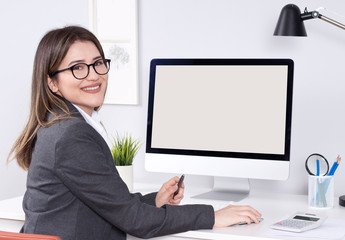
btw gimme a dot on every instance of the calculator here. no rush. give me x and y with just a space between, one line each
299 222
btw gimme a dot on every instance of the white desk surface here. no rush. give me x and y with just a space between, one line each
272 206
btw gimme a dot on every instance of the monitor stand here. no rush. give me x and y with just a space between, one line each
227 189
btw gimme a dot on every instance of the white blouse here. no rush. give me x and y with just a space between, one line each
94 121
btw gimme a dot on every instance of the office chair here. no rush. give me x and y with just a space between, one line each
25 236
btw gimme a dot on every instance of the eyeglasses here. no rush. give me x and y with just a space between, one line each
81 70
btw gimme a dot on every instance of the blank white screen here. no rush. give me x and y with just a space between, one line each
220 108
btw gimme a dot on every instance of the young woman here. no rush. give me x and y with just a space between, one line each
73 188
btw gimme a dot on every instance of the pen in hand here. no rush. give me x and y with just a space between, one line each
179 184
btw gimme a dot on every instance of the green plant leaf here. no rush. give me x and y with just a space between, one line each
124 149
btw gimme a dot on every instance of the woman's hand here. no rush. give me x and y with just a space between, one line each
235 214
166 194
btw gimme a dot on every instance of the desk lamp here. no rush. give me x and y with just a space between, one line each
290 22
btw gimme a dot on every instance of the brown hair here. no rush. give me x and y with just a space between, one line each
49 54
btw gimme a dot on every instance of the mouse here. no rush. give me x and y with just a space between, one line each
243 223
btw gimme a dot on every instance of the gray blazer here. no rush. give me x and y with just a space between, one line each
75 192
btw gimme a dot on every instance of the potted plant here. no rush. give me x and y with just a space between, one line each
123 150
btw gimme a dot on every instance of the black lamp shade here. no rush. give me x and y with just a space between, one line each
290 22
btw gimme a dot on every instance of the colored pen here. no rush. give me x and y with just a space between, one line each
334 166
321 191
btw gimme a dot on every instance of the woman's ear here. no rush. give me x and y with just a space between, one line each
51 85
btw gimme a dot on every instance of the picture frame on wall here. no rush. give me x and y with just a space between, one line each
114 22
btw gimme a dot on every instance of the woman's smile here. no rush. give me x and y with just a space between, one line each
92 89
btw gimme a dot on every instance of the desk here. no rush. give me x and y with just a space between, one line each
272 206
11 214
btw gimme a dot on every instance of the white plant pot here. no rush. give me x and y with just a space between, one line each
126 173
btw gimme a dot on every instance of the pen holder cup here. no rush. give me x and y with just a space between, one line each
321 192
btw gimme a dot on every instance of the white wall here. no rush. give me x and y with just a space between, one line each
192 28
22 25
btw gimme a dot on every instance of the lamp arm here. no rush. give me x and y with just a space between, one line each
315 14
338 24
309 15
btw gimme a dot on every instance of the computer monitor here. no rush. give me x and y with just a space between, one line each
226 118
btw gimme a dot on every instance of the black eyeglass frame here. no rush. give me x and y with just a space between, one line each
107 61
